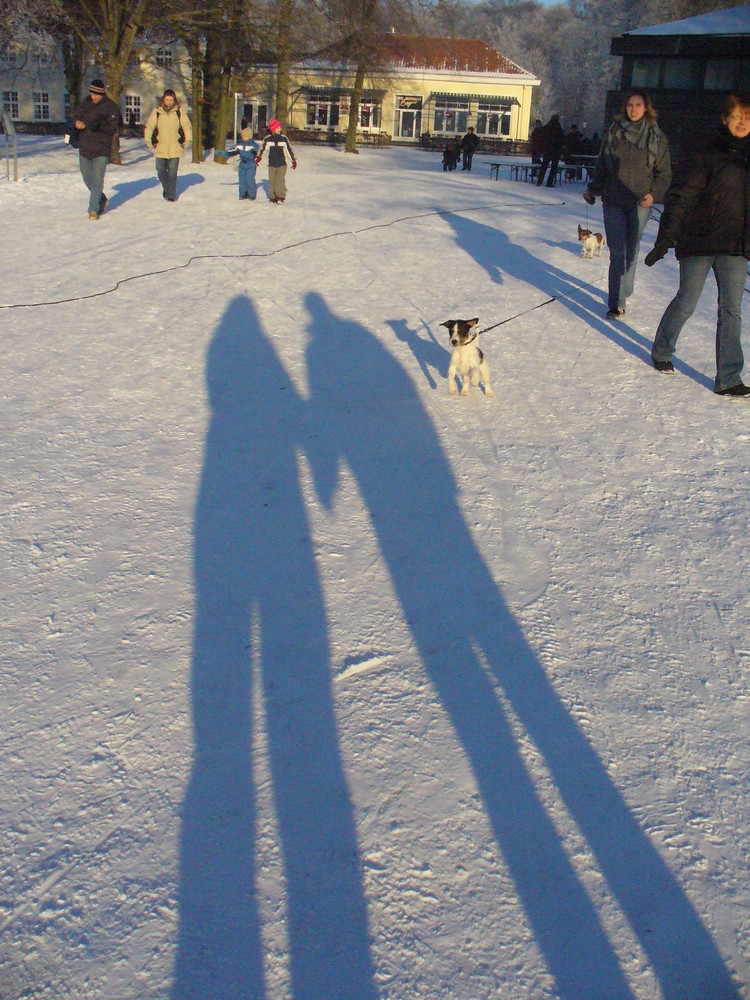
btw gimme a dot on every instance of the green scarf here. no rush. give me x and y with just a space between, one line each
641 134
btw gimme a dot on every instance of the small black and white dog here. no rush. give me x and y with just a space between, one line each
467 360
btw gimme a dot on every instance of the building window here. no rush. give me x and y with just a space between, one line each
646 72
10 103
451 115
132 109
164 58
681 74
41 106
720 74
369 115
7 58
493 118
66 105
323 110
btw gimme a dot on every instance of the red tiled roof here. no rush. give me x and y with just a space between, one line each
463 55
467 55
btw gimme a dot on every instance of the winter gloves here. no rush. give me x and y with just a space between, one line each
588 197
661 249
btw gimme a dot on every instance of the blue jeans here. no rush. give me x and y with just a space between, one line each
624 228
167 171
246 178
93 172
730 274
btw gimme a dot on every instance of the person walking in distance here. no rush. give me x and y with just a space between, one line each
551 140
469 145
632 172
167 133
96 120
707 221
279 148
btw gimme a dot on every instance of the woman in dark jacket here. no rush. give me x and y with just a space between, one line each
632 172
707 220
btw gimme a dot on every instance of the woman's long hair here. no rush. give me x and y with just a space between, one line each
645 96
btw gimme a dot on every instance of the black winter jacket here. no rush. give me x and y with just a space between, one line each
102 121
277 145
708 211
552 138
470 142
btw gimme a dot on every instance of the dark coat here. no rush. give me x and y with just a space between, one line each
102 122
552 138
278 146
623 175
708 211
535 140
470 142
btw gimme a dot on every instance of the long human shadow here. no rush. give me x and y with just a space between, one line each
126 190
427 352
259 614
499 256
375 422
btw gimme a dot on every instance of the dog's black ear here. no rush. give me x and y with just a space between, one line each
472 322
448 324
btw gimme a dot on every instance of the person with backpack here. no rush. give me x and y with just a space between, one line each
279 148
96 121
167 133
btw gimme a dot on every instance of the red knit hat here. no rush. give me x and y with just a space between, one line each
274 125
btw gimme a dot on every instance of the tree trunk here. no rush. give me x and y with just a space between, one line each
351 131
72 54
196 92
283 61
224 116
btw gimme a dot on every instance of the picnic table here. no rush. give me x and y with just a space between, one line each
579 169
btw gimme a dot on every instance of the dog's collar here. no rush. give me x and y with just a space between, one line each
474 337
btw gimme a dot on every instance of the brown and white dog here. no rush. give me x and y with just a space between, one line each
591 243
467 361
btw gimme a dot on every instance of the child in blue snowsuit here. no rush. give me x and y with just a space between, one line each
247 150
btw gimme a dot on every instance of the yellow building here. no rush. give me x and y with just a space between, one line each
435 85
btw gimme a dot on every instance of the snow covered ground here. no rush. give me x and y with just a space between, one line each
319 683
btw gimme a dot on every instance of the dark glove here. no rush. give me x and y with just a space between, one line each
294 165
661 249
257 161
588 197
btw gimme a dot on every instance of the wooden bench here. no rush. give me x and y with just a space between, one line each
495 171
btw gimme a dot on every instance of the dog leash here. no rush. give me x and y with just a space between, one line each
511 318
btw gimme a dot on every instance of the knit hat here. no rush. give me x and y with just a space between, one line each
274 125
97 87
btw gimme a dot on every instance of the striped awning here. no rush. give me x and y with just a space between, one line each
478 97
368 95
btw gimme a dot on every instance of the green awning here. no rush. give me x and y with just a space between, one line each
478 97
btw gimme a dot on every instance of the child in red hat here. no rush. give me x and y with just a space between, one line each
279 149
